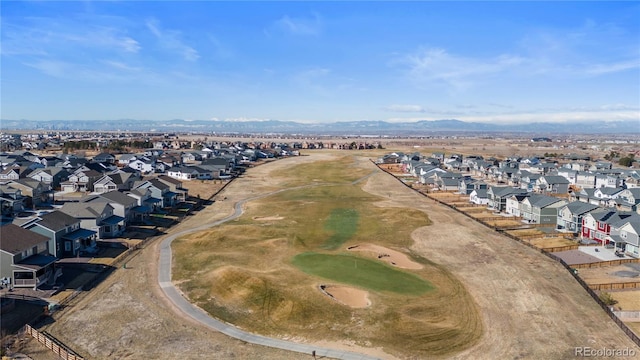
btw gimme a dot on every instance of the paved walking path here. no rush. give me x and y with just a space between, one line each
164 279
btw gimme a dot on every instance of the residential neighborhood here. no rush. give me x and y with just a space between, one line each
69 206
73 208
589 202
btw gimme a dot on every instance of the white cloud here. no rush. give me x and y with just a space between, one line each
600 69
121 66
44 36
171 40
405 108
51 67
221 50
300 25
313 79
436 65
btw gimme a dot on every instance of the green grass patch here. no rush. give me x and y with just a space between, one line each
365 273
344 224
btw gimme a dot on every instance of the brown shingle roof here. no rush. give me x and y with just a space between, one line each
57 220
14 239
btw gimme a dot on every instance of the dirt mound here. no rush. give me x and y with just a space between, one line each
346 295
387 255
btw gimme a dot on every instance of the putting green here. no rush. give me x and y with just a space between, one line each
364 273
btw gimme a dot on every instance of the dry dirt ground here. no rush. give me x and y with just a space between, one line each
627 299
531 307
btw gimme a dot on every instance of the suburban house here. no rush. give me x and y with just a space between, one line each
10 173
568 174
104 158
219 166
144 165
97 217
585 180
479 197
632 180
175 186
498 196
426 173
35 192
24 257
121 203
629 200
597 224
145 204
625 235
512 206
159 191
11 201
191 157
467 185
126 159
118 180
50 175
189 173
80 181
607 181
570 216
541 209
67 237
550 184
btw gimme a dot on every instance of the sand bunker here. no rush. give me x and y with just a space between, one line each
267 218
346 295
392 257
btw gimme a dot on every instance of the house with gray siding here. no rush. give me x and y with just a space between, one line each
24 257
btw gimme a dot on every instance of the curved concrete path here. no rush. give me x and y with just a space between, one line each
164 279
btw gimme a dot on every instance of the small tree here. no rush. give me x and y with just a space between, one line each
607 299
627 160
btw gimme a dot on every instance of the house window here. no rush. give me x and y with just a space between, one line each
623 234
67 246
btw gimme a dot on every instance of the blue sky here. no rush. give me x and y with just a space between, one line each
321 61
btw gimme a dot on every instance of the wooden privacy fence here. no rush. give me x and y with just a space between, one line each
560 248
52 343
526 236
604 263
616 286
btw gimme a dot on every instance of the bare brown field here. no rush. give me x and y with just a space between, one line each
606 275
474 209
635 327
525 232
550 242
627 300
506 223
444 196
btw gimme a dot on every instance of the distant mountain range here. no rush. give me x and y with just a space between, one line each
423 127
